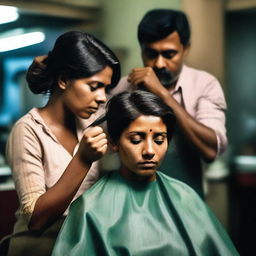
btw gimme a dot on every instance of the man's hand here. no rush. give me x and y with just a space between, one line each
147 78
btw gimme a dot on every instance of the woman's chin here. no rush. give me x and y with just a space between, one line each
148 175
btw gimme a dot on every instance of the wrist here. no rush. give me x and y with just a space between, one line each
83 161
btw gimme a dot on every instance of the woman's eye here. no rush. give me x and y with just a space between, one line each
93 87
160 140
135 141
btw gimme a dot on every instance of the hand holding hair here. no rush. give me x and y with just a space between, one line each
93 145
146 77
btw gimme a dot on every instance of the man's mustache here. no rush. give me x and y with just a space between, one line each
164 75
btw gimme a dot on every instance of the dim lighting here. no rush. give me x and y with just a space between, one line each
19 41
8 14
245 163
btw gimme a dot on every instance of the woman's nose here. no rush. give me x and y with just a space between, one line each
148 151
101 96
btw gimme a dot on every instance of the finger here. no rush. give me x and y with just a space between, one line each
134 70
100 147
142 72
137 79
93 131
93 142
134 74
103 149
100 143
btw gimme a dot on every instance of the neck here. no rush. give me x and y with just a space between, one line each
171 86
55 113
131 176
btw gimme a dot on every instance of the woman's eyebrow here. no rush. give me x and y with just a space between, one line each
160 133
136 133
143 133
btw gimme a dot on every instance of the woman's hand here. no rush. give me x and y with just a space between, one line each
93 145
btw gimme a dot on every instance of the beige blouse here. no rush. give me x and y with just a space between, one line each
38 160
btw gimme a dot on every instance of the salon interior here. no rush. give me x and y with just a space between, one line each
223 43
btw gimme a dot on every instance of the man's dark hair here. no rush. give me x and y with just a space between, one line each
159 23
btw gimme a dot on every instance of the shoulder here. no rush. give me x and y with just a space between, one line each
26 123
174 182
197 83
26 132
199 79
23 139
180 192
197 73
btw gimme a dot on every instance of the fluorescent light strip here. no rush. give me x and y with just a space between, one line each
20 41
8 14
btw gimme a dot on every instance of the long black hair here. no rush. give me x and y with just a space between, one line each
75 55
125 107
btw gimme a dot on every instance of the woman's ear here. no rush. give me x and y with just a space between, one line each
62 82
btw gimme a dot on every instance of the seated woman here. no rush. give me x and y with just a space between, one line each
138 210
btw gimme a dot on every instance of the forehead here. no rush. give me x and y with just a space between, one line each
147 123
172 41
103 76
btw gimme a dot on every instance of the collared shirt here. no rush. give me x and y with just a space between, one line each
202 97
38 160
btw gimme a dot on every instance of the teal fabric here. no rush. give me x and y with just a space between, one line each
119 217
182 162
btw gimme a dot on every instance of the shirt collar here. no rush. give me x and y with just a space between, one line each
81 124
38 119
182 80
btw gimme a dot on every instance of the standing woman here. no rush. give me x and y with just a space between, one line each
50 153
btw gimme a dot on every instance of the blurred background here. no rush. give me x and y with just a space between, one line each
223 43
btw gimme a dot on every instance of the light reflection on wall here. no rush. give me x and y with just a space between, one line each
17 99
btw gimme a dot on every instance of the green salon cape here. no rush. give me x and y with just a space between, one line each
120 217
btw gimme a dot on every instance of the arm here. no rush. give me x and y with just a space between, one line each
40 205
203 137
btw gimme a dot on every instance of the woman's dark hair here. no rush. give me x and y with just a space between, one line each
75 55
125 107
159 23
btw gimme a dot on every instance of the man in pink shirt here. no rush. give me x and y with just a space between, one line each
195 96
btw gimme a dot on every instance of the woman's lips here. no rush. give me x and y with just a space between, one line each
92 110
147 164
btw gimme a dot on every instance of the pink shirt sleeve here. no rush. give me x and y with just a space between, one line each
210 111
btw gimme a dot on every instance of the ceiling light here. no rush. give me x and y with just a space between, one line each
8 14
20 41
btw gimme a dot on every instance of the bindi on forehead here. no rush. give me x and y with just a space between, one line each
150 130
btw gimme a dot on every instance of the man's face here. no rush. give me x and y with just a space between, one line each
166 57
